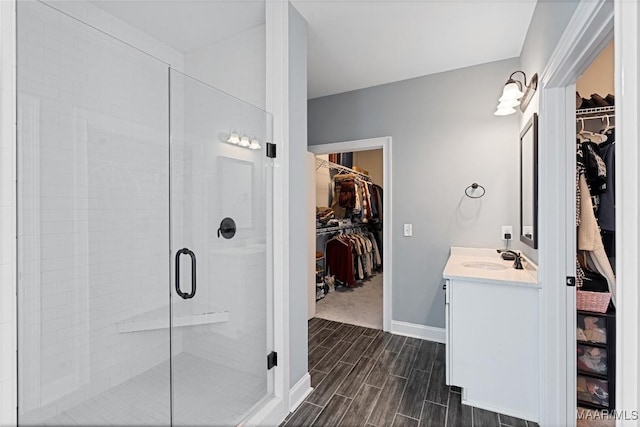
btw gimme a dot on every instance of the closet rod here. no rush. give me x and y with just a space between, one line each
339 228
320 163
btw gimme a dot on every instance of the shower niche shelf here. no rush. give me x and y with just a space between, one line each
182 316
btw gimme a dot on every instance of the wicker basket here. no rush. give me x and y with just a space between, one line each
598 302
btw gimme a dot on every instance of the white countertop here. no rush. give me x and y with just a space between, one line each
459 256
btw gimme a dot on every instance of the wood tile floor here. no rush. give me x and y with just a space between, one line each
366 377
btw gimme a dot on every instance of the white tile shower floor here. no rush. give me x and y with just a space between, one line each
205 394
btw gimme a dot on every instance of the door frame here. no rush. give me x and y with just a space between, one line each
588 32
627 15
383 143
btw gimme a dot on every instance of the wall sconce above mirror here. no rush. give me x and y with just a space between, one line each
529 183
513 95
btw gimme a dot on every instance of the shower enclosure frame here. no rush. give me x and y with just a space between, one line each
287 395
274 409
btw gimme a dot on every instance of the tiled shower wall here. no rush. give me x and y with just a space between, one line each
94 210
7 217
97 302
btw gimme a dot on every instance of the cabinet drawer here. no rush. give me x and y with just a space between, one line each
592 359
592 329
593 391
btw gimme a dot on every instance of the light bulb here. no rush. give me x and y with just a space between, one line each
509 104
244 141
255 144
234 138
504 111
511 91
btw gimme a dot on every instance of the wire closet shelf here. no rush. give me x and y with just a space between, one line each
321 163
596 113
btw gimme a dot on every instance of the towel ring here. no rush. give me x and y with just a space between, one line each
474 186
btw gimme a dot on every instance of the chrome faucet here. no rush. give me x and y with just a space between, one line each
517 263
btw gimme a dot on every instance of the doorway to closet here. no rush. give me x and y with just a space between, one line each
348 185
348 282
596 249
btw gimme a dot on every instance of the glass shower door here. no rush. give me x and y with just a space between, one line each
221 315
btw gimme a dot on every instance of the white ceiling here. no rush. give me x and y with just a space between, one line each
187 25
355 44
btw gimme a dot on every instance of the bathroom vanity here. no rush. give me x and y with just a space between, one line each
493 332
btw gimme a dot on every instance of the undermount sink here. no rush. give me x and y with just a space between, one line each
485 265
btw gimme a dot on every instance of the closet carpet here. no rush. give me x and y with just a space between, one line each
363 376
360 306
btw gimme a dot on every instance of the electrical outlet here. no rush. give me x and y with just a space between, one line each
507 232
408 230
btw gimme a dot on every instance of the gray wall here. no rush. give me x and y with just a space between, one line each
445 137
547 25
298 221
549 20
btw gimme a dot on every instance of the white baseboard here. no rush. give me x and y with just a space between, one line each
271 413
414 330
299 392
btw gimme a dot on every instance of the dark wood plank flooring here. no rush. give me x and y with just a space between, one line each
365 377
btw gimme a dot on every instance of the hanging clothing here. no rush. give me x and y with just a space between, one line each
589 239
337 208
339 260
352 257
354 197
596 170
607 210
590 164
347 197
588 231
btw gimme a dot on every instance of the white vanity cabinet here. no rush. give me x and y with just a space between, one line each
493 342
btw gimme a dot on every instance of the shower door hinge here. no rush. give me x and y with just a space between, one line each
272 360
271 150
571 281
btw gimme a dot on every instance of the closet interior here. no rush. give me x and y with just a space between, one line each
349 247
595 222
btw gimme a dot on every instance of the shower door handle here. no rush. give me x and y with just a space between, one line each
185 295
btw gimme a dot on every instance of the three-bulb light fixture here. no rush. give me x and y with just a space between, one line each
243 141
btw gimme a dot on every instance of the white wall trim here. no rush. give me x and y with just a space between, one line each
627 178
387 221
414 330
299 392
277 103
8 225
588 31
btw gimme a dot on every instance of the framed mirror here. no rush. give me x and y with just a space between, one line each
529 183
